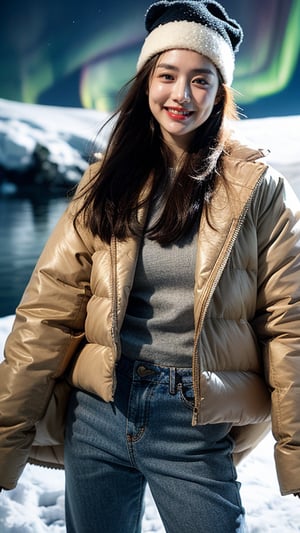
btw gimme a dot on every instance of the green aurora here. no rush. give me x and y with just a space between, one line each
82 55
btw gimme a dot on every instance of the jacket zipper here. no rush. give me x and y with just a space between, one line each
235 229
114 306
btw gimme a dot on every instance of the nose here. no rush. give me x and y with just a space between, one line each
182 92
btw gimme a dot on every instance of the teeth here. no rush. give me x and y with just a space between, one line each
178 112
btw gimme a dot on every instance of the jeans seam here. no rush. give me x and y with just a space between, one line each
189 404
140 506
134 438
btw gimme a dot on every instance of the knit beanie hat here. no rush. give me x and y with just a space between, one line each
199 25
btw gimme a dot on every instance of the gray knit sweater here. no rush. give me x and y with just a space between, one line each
159 322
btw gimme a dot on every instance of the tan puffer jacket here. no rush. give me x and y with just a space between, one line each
247 316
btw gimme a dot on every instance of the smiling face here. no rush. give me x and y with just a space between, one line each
182 93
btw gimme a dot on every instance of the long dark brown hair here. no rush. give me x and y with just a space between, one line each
137 157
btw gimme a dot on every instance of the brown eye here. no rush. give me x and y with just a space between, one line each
167 77
200 81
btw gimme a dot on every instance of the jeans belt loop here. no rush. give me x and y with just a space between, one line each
172 382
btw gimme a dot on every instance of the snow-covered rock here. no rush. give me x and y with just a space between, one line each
46 145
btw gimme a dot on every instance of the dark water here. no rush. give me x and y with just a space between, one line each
25 224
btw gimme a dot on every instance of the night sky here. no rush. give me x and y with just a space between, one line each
81 53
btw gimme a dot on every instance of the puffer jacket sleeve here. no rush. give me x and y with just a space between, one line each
48 327
277 321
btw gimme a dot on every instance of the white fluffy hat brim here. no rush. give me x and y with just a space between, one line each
191 36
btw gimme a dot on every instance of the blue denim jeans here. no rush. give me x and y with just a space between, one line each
113 449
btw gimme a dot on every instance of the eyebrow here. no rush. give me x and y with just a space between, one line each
195 71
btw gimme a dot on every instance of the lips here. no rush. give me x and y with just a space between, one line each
178 113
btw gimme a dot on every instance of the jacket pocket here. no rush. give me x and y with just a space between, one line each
236 397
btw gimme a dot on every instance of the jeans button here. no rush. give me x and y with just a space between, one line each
143 371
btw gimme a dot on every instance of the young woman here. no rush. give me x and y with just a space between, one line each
160 329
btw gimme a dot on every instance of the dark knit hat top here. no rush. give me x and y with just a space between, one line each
206 12
200 25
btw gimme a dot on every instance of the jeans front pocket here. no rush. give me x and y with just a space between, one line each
186 391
